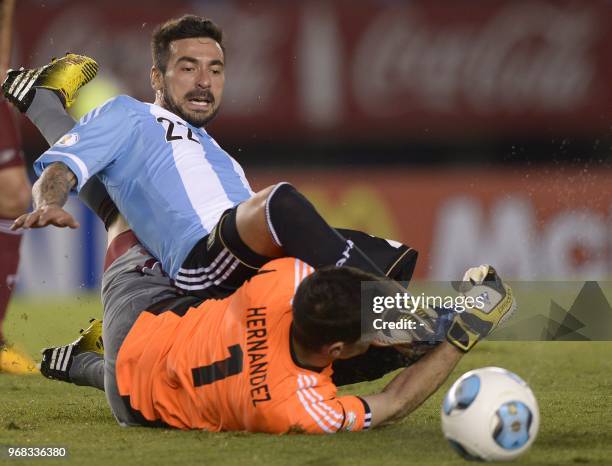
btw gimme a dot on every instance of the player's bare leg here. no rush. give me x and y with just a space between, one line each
253 227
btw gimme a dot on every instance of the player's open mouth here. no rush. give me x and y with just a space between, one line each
201 103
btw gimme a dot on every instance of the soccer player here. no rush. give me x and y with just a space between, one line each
14 201
269 367
14 198
188 202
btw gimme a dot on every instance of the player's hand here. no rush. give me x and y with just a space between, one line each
44 216
494 303
402 327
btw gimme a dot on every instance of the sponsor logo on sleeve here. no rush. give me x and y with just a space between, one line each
351 417
68 140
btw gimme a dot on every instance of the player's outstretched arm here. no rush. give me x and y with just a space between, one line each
416 383
50 193
411 387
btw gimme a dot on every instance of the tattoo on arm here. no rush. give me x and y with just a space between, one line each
53 186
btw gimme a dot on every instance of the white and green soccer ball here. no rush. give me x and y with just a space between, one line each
490 414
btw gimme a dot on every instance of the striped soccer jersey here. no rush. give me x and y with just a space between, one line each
244 378
171 180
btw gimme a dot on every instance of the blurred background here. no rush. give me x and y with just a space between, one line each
474 131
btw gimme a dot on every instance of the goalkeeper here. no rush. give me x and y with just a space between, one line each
270 367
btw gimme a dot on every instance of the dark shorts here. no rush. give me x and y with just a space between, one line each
213 270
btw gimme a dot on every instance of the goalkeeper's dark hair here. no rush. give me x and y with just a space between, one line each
185 27
327 307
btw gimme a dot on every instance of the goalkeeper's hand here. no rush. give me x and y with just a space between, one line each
409 327
494 304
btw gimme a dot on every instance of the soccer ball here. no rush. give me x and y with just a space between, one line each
490 414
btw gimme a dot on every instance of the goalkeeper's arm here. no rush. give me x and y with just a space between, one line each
411 387
415 384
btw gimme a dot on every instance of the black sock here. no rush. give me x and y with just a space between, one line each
297 227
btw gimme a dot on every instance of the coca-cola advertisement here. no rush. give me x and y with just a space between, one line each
366 70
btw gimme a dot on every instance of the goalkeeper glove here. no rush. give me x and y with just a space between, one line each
494 304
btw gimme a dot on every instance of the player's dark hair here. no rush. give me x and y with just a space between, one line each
185 27
327 307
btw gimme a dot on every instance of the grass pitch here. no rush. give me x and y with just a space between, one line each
572 381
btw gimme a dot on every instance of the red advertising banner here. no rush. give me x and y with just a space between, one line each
369 70
544 224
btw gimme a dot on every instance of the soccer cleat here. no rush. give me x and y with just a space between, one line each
13 361
65 76
57 361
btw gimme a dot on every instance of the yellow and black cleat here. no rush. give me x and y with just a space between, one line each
57 360
65 76
90 340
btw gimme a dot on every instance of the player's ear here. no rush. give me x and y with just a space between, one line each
156 79
334 350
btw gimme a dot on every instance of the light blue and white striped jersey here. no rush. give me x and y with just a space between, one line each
171 180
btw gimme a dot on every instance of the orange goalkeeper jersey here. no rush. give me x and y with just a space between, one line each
227 365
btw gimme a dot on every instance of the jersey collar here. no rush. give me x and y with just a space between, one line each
295 359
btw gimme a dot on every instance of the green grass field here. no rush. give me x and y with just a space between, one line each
572 381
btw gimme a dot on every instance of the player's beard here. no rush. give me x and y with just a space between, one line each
194 118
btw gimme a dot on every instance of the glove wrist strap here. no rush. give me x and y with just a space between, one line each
461 336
